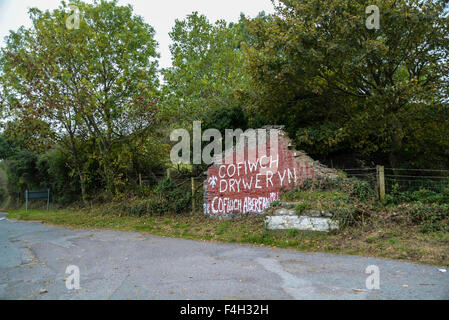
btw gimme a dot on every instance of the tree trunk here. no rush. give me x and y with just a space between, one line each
397 137
108 171
78 167
82 177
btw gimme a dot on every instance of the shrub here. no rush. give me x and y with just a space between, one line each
170 198
395 196
431 218
275 204
362 190
157 207
139 209
332 184
3 195
348 216
427 196
57 176
3 181
300 208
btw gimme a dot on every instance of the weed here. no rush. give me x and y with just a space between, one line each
303 206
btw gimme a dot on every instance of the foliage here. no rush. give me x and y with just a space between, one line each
58 177
3 185
429 217
94 85
424 196
167 198
275 204
226 118
84 112
22 173
426 208
7 148
350 200
175 199
362 190
338 86
33 171
354 204
303 206
349 216
206 73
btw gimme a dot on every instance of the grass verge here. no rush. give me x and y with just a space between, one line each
377 240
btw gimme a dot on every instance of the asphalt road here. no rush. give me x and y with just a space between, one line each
126 265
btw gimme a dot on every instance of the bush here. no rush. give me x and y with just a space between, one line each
3 195
352 203
169 198
139 209
348 216
362 190
275 204
303 206
427 196
57 176
49 170
422 196
3 181
431 218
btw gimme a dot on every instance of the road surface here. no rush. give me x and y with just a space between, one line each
125 265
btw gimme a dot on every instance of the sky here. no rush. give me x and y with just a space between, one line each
161 14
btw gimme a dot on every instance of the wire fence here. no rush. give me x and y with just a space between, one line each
416 179
183 180
404 179
179 178
366 174
393 179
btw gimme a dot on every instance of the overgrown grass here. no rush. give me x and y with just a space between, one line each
411 227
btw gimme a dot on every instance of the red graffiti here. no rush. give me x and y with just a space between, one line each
250 185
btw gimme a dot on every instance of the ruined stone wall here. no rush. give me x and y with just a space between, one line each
249 187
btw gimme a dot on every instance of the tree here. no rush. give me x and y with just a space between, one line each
338 85
7 147
94 84
206 72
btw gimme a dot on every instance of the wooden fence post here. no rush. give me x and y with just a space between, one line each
140 180
193 195
169 173
381 182
26 200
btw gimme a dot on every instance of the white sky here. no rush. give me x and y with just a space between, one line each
160 14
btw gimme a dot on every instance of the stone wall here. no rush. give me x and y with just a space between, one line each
249 187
